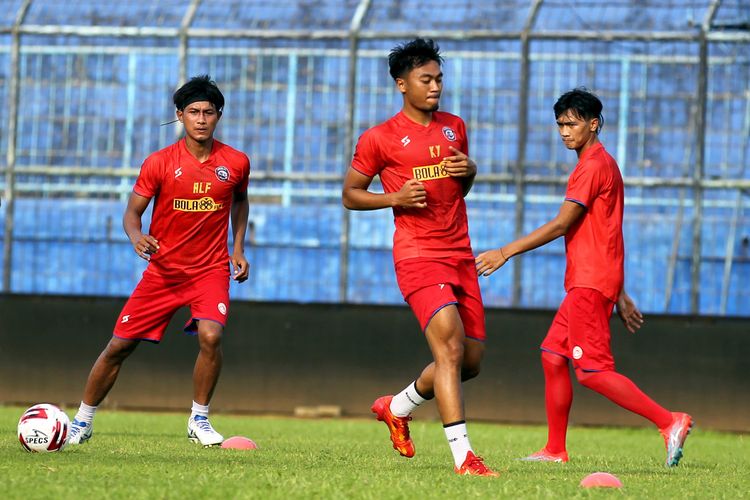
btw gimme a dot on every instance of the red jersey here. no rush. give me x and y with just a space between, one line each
594 246
401 149
191 206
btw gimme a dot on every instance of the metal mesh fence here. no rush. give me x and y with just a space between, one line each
92 83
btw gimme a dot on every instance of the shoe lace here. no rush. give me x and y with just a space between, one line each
203 424
476 464
77 427
402 424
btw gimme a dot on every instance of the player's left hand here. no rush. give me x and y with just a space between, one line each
490 261
240 267
628 312
459 165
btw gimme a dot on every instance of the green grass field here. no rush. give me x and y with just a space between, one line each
147 455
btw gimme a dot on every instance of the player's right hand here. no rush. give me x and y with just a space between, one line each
628 312
145 246
411 195
490 261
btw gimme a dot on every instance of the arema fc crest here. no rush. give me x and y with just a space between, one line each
222 173
449 134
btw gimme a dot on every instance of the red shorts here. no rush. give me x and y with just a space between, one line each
155 300
580 330
428 285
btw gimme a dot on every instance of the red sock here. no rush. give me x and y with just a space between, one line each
622 391
558 396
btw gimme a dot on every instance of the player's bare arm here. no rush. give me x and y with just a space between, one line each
492 260
628 312
355 194
143 244
460 165
239 214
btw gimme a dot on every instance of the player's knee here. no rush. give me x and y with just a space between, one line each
210 339
119 349
550 359
473 355
451 352
585 378
469 372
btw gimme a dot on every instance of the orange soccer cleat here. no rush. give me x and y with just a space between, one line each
675 436
398 426
474 466
544 455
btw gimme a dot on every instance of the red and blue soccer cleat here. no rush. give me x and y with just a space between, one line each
398 426
675 436
474 466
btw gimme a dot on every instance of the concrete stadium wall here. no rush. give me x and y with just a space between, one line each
280 356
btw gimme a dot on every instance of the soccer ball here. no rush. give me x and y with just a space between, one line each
43 428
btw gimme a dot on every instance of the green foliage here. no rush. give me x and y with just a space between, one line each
147 455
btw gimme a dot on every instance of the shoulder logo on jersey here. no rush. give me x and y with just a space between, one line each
405 140
178 172
449 134
430 172
222 173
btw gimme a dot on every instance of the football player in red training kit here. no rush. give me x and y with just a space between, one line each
421 156
197 184
591 221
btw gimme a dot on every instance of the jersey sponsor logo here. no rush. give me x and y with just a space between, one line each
206 204
449 134
125 318
430 172
577 352
178 172
222 308
405 140
222 173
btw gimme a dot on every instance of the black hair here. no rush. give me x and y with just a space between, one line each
583 103
199 88
407 56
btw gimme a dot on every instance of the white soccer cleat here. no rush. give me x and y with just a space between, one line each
80 432
200 431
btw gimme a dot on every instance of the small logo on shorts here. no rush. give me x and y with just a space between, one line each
222 308
441 285
125 318
577 352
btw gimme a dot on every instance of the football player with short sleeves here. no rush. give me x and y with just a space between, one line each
422 157
590 218
197 185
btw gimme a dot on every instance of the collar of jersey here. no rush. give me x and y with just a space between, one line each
412 125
